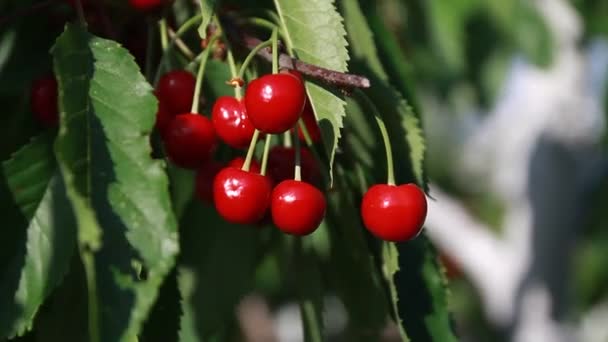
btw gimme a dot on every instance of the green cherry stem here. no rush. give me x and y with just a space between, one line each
80 12
249 157
298 162
287 139
200 74
250 56
384 132
238 91
305 133
189 24
265 155
164 38
275 51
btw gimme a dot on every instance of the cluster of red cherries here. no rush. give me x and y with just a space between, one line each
272 104
241 193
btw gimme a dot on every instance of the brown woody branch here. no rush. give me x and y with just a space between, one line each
336 78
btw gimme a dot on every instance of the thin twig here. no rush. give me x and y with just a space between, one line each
335 78
180 44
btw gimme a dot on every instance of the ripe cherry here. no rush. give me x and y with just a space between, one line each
240 196
239 161
297 207
281 163
43 101
204 180
231 122
176 90
394 213
190 140
274 102
310 122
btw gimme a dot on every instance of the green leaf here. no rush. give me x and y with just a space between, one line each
216 268
410 306
162 324
41 262
422 290
399 71
116 188
390 261
63 317
351 263
314 32
207 10
403 124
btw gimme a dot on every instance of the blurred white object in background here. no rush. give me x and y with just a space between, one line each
531 150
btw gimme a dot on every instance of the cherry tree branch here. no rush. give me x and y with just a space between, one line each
336 78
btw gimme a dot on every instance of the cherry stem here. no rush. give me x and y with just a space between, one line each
305 133
238 90
80 11
298 162
201 73
266 152
275 51
164 40
252 54
180 44
385 137
189 24
287 139
249 157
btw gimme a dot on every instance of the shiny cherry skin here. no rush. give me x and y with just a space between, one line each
281 163
274 102
190 140
394 213
239 161
310 122
176 90
297 207
240 196
204 180
231 122
43 101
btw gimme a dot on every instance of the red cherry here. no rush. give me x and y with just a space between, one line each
176 89
43 101
281 163
240 196
204 180
310 122
274 102
394 213
297 207
239 161
231 122
190 140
